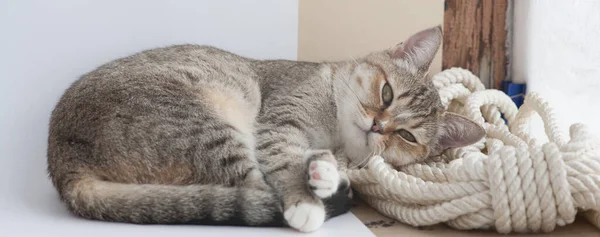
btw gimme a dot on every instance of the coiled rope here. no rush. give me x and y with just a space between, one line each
508 181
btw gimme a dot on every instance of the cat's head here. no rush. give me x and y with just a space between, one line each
388 105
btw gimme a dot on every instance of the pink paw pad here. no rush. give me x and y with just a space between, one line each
324 178
316 175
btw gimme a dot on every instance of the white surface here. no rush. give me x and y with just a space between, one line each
46 45
55 221
557 52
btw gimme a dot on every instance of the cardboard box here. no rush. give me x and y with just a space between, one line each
382 226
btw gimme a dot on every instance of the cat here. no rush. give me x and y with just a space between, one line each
196 134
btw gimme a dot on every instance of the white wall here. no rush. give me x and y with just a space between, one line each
557 52
46 45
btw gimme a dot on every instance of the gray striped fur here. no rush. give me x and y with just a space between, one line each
195 134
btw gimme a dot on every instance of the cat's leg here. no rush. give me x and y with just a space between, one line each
228 140
324 177
327 181
281 153
286 160
227 157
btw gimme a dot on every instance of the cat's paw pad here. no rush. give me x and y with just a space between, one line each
324 178
305 217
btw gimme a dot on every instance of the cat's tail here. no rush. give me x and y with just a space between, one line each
93 198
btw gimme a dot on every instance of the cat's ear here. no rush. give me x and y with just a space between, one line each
457 131
419 49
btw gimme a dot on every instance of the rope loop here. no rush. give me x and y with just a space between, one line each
507 181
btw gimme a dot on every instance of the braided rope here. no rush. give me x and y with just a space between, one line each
520 185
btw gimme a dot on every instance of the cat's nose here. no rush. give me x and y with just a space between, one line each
377 127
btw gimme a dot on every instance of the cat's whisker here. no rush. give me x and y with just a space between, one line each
360 109
381 150
353 60
377 151
362 162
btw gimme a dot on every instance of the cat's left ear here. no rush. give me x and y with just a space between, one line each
419 49
457 131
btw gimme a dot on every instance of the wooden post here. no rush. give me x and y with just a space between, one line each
475 38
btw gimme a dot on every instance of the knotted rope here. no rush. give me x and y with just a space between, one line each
508 181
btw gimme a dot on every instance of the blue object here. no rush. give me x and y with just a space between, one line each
516 91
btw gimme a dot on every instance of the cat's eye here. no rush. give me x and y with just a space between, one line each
406 135
386 94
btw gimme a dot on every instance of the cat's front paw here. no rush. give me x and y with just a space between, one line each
305 216
323 176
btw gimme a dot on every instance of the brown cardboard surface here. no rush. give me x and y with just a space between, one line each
346 29
382 226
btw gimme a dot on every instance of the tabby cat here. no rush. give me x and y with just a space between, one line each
195 134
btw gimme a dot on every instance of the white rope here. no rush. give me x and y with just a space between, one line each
518 185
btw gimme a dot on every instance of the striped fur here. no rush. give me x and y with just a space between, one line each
195 134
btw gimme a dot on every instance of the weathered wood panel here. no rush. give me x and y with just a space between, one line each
475 38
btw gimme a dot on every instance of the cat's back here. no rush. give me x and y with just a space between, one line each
197 59
185 66
169 77
184 54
